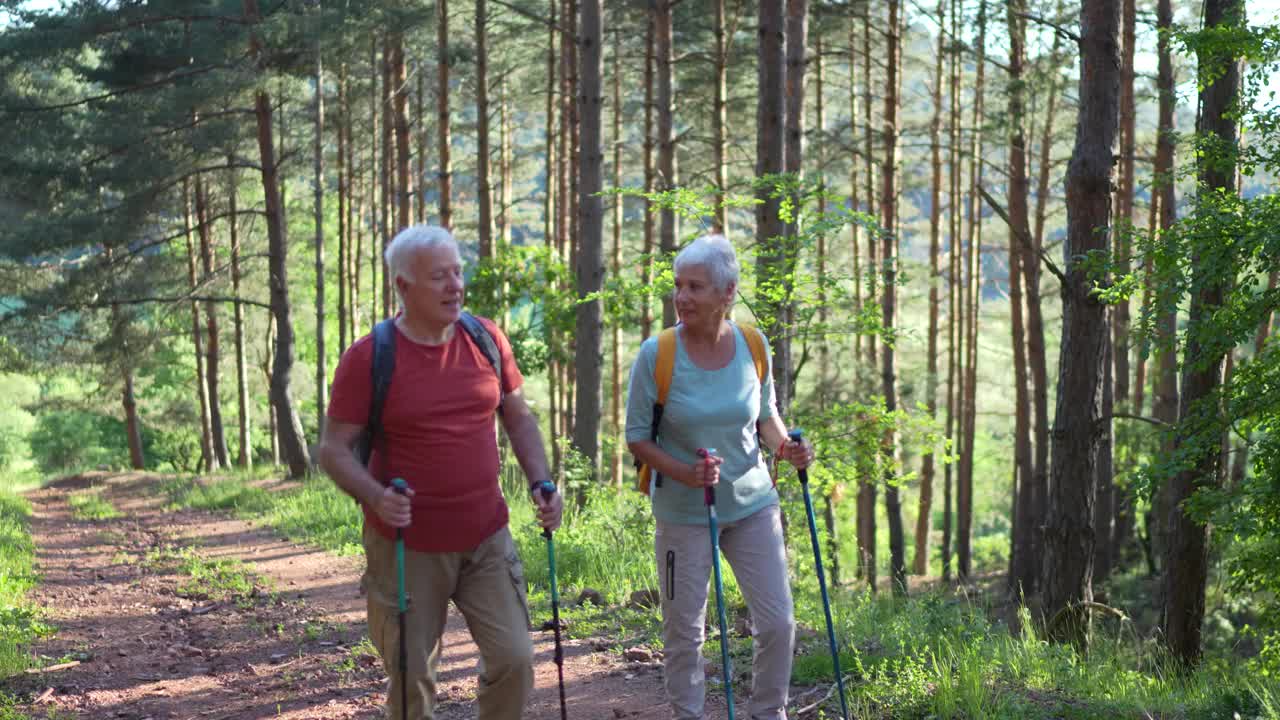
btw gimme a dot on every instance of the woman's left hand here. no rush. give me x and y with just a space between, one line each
799 454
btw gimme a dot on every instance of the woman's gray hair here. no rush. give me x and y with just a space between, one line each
716 254
399 254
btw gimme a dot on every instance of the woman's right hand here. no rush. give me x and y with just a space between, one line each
706 471
394 507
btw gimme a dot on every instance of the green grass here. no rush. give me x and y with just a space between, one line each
19 622
224 580
90 505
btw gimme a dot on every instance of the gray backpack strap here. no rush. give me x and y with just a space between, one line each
488 347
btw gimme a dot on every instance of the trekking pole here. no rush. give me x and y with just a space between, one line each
709 497
400 487
548 489
798 436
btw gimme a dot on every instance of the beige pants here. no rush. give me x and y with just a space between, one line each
487 585
753 546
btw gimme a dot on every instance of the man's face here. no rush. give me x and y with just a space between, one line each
435 293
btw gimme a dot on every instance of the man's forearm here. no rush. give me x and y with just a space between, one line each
526 442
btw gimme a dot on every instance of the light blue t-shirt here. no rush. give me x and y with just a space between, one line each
706 409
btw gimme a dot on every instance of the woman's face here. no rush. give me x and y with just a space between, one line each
696 297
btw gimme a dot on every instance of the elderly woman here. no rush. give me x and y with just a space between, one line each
716 399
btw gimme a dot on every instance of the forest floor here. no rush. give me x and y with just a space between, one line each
163 613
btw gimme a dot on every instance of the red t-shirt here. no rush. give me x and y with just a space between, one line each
438 434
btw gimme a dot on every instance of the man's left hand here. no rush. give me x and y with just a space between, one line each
549 509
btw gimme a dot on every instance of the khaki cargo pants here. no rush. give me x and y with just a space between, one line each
487 585
753 546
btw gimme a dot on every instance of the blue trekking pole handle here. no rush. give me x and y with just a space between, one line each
548 488
798 436
709 497
399 486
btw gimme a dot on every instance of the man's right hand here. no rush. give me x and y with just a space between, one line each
393 507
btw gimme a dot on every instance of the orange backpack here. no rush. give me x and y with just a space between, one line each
665 368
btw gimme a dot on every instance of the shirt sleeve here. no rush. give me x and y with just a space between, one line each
352 389
768 397
512 378
642 392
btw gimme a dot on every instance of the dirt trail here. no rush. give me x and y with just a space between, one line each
290 650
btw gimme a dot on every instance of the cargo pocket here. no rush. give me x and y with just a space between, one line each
515 570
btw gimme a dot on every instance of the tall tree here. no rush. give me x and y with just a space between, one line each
615 357
889 301
1212 273
245 452
445 173
771 71
289 426
318 182
665 66
1067 573
590 271
924 510
786 250
208 458
1022 558
212 349
483 182
720 115
400 123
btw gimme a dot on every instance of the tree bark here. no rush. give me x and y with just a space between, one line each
719 115
322 374
650 81
968 420
1199 413
590 271
615 357
386 178
483 182
245 456
664 63
1164 402
924 511
344 227
208 460
1067 573
211 347
1124 198
889 306
867 487
400 106
1025 521
953 289
771 117
445 172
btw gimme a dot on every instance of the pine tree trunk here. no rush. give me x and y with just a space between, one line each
292 443
590 271
664 64
866 525
786 249
855 229
484 199
889 243
825 377
650 175
505 200
423 138
322 372
968 429
1022 558
400 106
211 347
208 461
1124 199
245 456
386 174
344 190
1036 354
132 424
719 115
1104 511
1164 405
953 288
442 113
1067 573
770 160
924 509
1199 412
615 356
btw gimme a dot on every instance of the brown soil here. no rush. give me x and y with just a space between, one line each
290 648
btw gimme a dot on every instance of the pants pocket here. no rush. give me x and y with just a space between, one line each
515 569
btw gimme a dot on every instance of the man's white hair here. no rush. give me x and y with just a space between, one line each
716 254
399 254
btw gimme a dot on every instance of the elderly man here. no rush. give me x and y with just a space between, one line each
437 432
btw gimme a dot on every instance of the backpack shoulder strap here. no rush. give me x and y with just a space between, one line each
755 341
483 340
382 368
666 363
